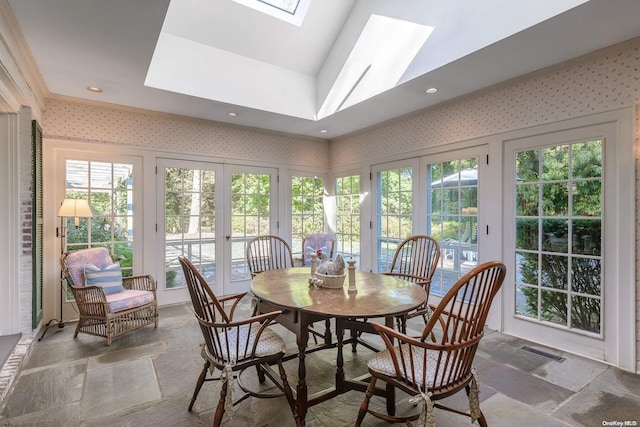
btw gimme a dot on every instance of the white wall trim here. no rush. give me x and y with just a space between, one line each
10 233
22 83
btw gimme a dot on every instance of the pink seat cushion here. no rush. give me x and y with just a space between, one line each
128 299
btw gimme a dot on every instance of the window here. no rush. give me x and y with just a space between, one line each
394 212
250 216
348 199
558 193
109 189
307 209
291 11
288 6
452 218
189 223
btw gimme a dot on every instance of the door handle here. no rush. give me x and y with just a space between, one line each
227 236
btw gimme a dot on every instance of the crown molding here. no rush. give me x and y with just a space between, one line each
19 70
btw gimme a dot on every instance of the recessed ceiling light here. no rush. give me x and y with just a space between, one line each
323 131
94 89
432 90
232 114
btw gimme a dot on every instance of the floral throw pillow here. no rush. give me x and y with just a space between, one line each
109 278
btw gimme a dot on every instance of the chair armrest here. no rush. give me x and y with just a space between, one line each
416 361
394 341
418 280
240 331
93 292
236 299
91 300
139 283
262 321
237 296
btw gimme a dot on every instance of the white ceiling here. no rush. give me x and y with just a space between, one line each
278 76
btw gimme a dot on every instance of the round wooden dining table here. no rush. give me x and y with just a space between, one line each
376 296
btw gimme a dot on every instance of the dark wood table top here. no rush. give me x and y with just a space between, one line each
377 295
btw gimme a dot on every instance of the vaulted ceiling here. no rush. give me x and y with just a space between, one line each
349 65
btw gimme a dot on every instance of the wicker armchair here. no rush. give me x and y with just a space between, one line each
232 345
439 363
108 312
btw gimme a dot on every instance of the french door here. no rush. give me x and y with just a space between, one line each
208 212
560 192
396 208
110 183
250 196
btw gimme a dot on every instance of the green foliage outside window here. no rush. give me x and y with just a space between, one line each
348 217
559 234
109 225
307 206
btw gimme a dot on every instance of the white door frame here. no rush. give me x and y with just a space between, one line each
223 285
417 213
57 168
235 286
181 294
618 311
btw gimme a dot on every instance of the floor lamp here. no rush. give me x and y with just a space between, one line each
70 208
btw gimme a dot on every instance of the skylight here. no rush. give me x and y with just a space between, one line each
234 52
291 11
286 5
379 58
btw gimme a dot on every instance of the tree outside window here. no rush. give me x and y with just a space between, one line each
559 235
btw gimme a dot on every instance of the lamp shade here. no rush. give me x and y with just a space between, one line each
77 208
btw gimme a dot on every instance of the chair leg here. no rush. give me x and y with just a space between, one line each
313 334
327 330
217 419
401 323
482 421
261 377
391 399
289 394
201 378
364 406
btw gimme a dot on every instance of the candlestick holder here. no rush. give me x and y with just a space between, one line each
352 275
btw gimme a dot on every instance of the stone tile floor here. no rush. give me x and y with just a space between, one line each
146 378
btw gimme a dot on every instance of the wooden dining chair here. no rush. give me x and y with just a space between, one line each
268 252
232 345
415 260
439 363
